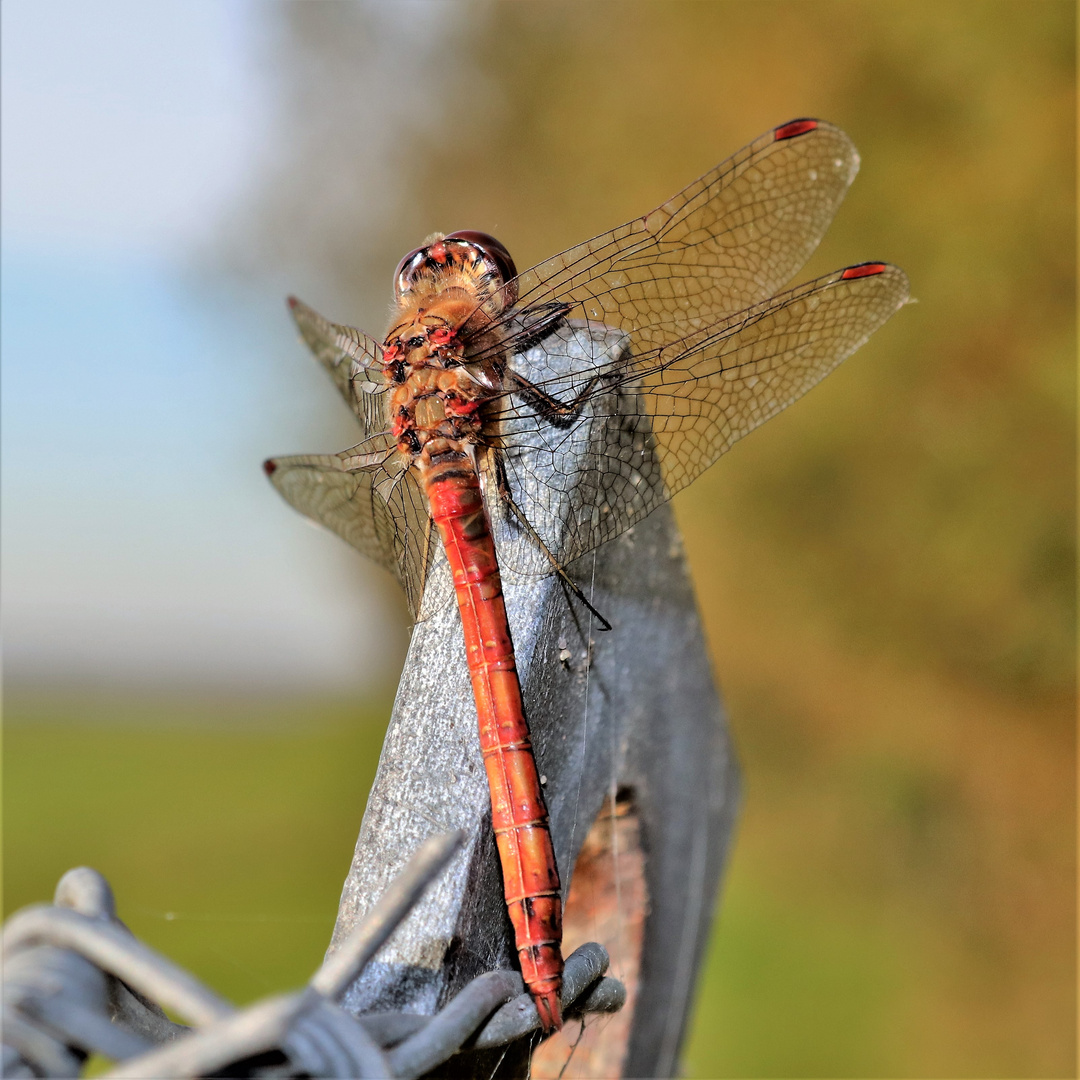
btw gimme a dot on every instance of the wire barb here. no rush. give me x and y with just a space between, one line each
77 982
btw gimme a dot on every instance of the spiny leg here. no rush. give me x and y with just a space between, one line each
502 484
557 413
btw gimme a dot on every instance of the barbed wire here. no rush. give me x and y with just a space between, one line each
77 982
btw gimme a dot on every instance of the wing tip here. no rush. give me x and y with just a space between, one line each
270 466
893 278
298 309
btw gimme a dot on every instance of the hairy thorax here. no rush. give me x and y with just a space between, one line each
439 391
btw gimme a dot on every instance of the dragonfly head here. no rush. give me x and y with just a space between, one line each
475 255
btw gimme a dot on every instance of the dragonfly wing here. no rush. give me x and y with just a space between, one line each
353 360
658 418
723 244
707 391
368 497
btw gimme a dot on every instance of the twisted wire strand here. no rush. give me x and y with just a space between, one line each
78 982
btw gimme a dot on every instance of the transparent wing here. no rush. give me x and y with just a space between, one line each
721 245
353 360
651 421
368 497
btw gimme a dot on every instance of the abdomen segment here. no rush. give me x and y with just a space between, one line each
518 813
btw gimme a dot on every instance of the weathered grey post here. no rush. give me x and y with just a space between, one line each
633 709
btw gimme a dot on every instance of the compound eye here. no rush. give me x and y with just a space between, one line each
495 255
408 269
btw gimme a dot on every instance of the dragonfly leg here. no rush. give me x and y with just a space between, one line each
558 413
541 321
502 484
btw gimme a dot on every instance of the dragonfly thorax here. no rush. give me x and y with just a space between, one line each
449 295
435 407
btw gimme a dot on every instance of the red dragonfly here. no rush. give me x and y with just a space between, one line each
669 329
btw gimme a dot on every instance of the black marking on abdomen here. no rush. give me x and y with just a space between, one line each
452 474
447 455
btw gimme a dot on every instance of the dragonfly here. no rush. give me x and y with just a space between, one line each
571 400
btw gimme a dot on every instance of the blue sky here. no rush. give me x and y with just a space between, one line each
141 388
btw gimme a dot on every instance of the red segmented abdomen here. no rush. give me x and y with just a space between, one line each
518 813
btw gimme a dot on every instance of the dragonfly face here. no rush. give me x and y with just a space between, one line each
467 251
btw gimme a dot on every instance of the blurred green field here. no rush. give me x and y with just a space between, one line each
226 828
227 850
